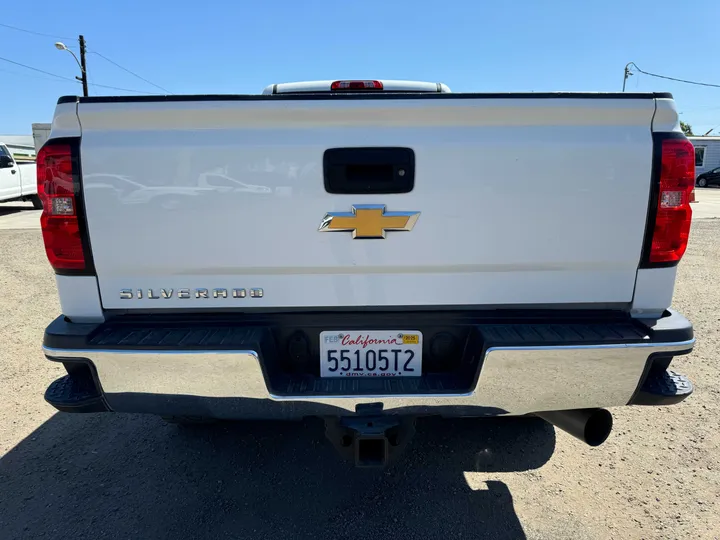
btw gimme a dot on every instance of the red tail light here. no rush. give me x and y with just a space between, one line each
57 190
356 85
672 221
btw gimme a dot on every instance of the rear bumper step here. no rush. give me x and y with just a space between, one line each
663 388
75 394
234 369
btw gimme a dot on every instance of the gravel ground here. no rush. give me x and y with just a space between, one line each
120 476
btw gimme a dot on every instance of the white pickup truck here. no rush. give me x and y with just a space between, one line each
376 251
17 179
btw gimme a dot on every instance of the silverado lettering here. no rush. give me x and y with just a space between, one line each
152 294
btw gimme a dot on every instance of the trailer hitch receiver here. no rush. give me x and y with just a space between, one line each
370 441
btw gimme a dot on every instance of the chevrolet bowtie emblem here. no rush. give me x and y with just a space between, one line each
368 221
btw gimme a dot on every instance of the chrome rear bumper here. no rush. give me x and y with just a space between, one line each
231 383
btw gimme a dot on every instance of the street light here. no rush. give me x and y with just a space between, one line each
60 46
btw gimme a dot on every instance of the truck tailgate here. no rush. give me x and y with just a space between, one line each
533 201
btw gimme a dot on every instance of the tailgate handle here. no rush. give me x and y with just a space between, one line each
369 170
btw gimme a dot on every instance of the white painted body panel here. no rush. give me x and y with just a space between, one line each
654 289
666 118
65 121
28 179
79 298
522 201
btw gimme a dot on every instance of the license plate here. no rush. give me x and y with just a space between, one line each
374 353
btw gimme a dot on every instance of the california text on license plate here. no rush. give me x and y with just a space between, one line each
371 353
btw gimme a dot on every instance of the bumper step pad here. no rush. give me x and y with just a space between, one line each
75 394
663 388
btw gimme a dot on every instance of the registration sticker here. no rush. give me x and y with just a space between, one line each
411 338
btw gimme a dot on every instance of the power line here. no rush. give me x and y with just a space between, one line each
36 69
131 72
73 80
34 33
124 89
627 72
703 108
92 52
39 78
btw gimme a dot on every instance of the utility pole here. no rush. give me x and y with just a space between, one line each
83 66
627 74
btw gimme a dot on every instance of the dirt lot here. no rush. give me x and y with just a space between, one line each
112 476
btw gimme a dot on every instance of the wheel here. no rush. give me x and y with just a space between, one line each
189 420
36 202
702 182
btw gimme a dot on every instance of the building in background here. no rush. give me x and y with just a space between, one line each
707 153
41 133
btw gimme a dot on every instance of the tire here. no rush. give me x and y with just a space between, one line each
702 182
36 202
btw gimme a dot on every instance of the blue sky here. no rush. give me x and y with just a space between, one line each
225 46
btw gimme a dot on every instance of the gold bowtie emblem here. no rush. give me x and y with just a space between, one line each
368 221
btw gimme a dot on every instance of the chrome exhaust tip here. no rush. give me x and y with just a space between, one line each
592 426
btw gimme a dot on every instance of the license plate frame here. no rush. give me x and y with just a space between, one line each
370 353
